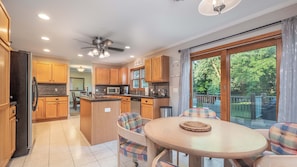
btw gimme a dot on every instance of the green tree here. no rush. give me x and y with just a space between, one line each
207 76
254 72
250 72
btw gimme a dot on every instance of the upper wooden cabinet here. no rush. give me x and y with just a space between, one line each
4 25
114 76
111 76
5 124
157 69
4 74
123 76
102 76
47 72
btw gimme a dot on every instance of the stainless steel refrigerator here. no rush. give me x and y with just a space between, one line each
23 90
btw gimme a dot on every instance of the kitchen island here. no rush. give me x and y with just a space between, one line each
98 118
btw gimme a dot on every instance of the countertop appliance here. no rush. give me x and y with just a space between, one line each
113 90
124 90
23 90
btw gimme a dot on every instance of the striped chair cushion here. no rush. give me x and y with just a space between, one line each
202 112
131 121
165 164
133 150
283 138
248 162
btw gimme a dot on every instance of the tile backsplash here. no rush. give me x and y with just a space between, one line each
52 89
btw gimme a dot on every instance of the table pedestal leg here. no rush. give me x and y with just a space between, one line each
151 151
196 161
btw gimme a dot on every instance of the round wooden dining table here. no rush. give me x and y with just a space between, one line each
225 139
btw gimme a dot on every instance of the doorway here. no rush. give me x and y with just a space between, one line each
80 85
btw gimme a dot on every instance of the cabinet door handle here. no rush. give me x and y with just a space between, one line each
57 99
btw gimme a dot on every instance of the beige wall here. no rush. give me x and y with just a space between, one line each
248 23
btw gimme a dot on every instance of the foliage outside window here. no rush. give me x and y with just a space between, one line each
137 78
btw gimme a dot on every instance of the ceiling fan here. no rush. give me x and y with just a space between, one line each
101 46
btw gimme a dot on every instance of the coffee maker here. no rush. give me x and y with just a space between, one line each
124 89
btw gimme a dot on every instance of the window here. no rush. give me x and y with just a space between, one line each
240 81
137 78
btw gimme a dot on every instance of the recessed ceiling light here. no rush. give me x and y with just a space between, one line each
46 50
132 56
45 38
43 16
80 55
127 47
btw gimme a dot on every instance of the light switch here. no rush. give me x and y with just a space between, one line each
56 89
107 109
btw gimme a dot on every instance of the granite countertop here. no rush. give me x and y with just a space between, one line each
144 96
53 95
99 99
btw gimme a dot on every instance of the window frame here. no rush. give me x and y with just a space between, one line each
139 79
265 40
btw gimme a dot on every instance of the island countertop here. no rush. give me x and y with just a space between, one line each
98 99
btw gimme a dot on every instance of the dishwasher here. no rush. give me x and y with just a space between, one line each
135 104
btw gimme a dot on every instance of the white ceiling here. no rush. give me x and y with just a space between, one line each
145 25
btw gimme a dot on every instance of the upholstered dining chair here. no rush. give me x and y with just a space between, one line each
281 150
75 100
131 139
163 159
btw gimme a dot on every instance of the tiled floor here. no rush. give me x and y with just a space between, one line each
61 144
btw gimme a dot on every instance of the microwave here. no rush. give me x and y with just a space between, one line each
113 90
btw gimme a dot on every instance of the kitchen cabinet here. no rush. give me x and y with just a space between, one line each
12 130
114 76
157 69
4 86
111 76
123 76
150 108
39 114
47 72
126 104
4 25
102 76
56 107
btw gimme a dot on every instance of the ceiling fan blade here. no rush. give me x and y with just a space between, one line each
84 41
107 42
116 49
88 47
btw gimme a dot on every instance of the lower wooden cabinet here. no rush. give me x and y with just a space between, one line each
56 107
39 113
12 131
126 104
51 108
150 108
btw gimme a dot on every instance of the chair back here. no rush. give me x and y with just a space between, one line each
73 96
202 112
131 121
283 138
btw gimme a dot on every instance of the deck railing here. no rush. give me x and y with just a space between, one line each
251 107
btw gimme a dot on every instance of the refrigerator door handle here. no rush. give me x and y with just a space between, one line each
34 94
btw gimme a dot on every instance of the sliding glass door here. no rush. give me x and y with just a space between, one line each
253 87
206 80
240 82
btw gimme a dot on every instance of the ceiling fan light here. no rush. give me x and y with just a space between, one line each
90 53
216 7
101 56
80 69
106 54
